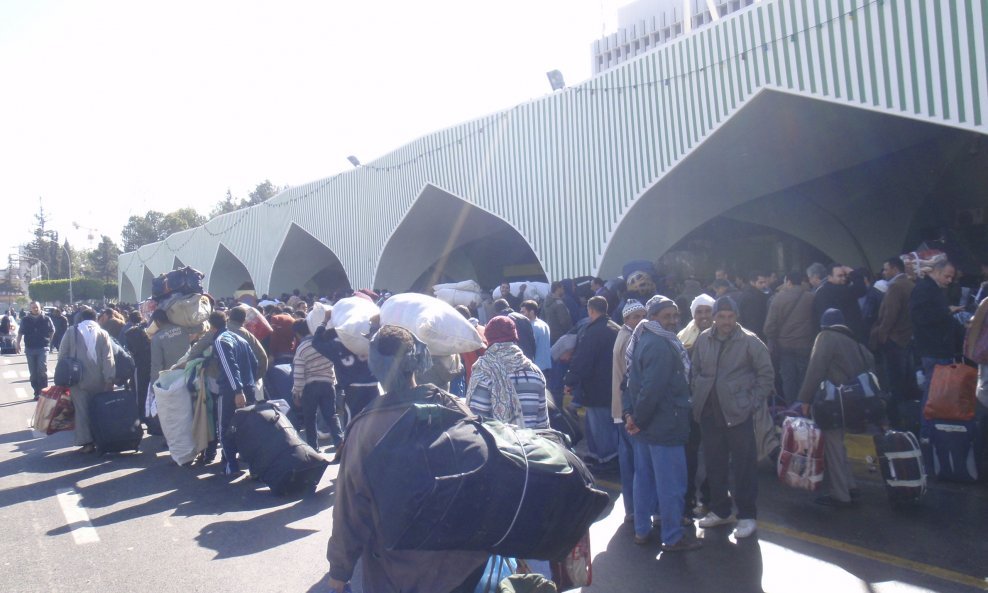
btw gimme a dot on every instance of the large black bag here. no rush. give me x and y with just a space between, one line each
186 280
275 453
901 462
852 406
442 480
114 422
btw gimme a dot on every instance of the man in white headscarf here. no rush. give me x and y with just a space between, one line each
702 311
90 345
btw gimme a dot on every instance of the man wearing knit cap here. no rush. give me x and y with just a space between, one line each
656 408
632 313
732 376
591 369
504 384
839 358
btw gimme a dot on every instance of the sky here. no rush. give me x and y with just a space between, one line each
113 108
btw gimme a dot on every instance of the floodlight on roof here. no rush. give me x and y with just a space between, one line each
353 160
556 79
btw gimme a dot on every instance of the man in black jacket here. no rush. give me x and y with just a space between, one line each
36 330
526 335
841 290
937 335
591 370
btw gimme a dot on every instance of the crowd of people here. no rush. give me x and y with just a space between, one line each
671 383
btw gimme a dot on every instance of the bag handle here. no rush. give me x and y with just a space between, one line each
524 488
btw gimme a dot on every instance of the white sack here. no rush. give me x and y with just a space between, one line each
351 318
536 291
175 412
316 316
467 285
434 322
454 297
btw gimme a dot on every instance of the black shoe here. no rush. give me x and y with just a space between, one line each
685 544
830 501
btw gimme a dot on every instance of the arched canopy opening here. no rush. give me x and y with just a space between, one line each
227 274
177 264
128 294
844 180
446 239
146 284
307 264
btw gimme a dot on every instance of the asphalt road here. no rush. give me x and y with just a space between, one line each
121 523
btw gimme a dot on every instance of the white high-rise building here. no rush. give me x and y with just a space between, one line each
645 24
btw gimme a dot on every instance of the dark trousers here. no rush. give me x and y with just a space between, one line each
692 467
320 396
901 378
792 370
227 407
727 448
37 366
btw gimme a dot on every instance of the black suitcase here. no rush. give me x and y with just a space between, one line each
114 422
901 462
276 454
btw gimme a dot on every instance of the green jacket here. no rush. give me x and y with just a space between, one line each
738 371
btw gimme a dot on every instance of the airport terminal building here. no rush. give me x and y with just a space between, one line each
779 132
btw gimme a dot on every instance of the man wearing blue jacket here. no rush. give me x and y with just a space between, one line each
237 378
656 413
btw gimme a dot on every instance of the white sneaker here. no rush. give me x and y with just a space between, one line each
745 528
712 519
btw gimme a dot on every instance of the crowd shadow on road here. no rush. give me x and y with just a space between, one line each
256 534
722 564
136 485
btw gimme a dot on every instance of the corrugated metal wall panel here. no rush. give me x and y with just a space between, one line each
564 170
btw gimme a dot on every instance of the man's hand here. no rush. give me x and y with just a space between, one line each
239 399
297 398
806 410
336 586
567 390
630 426
108 386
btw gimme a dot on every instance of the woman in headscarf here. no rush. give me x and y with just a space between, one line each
90 345
504 384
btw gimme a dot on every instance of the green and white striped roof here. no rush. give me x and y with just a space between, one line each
565 170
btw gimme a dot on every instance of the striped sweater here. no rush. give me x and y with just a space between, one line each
309 367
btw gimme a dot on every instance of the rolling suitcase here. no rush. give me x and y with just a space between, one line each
114 422
956 447
270 445
8 345
901 462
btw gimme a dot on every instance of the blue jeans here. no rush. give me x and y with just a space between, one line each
626 462
926 426
602 434
320 396
37 365
660 477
